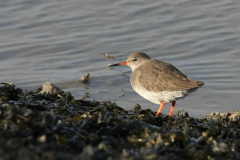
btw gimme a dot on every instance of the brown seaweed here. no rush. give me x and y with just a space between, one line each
36 125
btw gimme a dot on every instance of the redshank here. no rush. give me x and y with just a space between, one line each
158 81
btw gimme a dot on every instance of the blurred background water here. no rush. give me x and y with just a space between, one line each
60 41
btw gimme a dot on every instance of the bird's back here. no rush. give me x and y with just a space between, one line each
157 76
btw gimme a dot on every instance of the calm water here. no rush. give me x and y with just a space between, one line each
60 41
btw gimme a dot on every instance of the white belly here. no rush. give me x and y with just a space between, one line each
164 96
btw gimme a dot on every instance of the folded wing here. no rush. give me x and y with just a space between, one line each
162 76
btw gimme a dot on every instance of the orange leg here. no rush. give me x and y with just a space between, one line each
160 109
173 105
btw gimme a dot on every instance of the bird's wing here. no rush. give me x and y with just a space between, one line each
159 76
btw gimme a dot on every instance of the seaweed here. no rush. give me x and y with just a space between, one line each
35 125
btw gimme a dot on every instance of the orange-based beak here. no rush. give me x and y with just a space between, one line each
119 64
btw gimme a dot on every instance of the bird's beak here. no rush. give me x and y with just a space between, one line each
119 64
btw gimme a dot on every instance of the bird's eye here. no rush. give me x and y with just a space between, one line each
134 59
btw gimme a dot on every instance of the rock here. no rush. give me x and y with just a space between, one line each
85 78
50 88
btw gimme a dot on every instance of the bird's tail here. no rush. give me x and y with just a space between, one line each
200 83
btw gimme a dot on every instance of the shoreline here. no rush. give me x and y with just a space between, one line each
36 125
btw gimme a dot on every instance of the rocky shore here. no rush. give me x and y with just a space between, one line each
38 125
